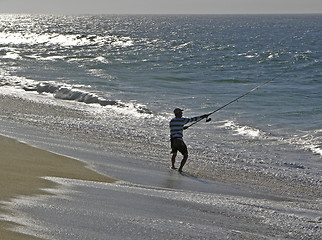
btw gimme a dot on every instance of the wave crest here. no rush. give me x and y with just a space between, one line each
65 40
67 92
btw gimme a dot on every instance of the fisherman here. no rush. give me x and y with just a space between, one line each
176 134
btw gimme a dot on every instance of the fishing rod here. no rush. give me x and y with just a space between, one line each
236 99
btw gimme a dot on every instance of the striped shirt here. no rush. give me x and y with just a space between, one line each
177 124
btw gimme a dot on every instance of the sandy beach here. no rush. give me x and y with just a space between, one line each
22 167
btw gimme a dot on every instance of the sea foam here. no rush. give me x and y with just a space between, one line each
68 92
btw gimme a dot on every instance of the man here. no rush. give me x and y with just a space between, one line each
176 134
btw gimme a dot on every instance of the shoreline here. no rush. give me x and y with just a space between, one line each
21 172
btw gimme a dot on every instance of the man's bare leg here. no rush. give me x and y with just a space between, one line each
173 160
183 162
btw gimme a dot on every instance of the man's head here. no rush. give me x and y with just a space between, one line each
178 112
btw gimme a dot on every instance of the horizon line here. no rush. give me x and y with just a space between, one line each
149 14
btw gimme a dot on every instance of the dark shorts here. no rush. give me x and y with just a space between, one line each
178 145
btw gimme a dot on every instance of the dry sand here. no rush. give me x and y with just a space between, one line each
22 167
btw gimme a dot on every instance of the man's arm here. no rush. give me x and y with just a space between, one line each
195 119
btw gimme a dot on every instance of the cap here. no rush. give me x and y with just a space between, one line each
177 110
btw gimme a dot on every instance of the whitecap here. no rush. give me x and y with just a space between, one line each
310 141
67 40
101 59
12 55
242 130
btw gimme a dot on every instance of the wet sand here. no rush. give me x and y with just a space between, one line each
22 167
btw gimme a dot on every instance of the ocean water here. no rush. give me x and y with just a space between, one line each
112 82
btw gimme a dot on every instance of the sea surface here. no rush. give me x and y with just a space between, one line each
110 83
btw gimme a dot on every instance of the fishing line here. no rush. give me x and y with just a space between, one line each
236 99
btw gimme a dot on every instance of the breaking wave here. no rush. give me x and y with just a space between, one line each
310 141
243 130
68 92
7 38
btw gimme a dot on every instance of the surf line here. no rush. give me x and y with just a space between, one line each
236 99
